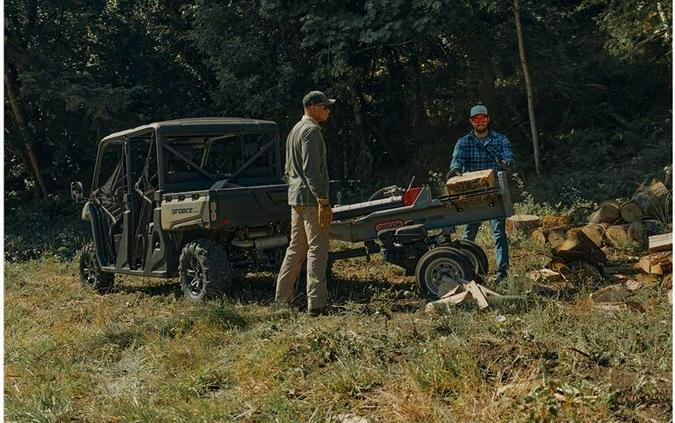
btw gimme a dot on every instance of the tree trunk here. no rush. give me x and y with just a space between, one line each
364 158
19 116
528 87
486 84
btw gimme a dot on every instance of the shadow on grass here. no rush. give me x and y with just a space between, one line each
169 288
259 288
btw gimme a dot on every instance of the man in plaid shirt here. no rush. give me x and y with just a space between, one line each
482 149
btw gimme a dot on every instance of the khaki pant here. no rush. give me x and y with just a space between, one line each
309 241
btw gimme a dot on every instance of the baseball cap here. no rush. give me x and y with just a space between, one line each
478 109
316 98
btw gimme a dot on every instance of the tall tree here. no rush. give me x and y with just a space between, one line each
528 87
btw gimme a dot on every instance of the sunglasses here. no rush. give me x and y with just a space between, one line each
480 119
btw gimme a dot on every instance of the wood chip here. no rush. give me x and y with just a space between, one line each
661 242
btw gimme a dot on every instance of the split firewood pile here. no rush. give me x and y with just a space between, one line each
579 251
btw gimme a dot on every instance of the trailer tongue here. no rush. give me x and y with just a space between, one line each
411 229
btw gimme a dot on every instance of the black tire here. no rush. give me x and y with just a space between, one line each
91 275
204 270
476 255
442 264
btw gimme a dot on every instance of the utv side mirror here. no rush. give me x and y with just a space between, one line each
76 191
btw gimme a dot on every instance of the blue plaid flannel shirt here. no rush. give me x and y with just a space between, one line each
472 154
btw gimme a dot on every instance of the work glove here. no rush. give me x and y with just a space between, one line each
325 215
453 172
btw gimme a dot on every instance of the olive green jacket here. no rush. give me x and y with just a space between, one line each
306 171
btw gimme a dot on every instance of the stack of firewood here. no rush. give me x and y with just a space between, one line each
612 224
578 251
618 224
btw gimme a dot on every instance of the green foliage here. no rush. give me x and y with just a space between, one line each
404 74
49 226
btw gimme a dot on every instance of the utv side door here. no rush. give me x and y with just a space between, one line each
106 204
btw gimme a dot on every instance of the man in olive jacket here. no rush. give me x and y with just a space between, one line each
307 176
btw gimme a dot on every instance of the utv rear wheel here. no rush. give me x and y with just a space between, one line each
91 275
204 270
440 270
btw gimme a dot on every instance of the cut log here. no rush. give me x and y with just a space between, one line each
658 190
631 212
578 247
522 222
555 221
604 225
471 181
553 236
654 200
595 232
608 212
620 235
656 263
636 232
556 236
661 242
617 235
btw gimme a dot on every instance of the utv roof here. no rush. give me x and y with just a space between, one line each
198 126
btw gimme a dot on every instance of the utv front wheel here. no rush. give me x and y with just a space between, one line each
91 275
204 270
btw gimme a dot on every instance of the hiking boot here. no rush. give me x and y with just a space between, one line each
322 311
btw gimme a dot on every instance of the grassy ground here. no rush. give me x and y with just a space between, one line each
142 353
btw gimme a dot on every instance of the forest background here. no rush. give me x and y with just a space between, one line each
404 74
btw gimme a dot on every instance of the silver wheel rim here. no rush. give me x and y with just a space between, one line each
194 278
441 272
89 271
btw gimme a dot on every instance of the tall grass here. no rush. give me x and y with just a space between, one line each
141 354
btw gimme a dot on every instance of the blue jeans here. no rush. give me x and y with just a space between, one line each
498 227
